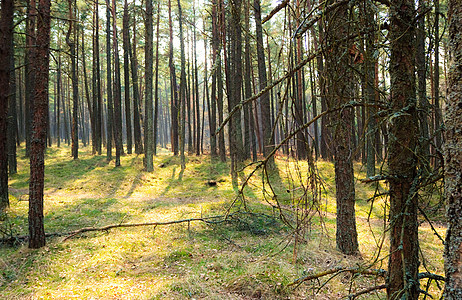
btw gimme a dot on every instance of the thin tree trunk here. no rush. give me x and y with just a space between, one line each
248 117
436 80
268 144
173 85
126 41
110 113
182 88
424 106
156 89
198 116
58 96
213 92
148 126
117 91
369 74
75 85
136 94
87 93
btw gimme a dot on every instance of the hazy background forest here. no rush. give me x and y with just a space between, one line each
230 149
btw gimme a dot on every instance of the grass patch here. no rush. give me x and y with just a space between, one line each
248 256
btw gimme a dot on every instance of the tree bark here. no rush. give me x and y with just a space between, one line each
156 89
12 130
136 94
268 143
182 89
148 126
29 74
40 66
403 261
110 106
340 91
117 91
75 85
234 79
6 39
126 41
453 158
173 86
424 106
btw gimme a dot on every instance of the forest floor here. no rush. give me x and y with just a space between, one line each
251 255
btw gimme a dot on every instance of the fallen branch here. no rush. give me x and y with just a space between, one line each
366 291
112 226
374 272
19 239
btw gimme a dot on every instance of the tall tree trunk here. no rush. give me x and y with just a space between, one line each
325 142
340 91
453 158
75 85
436 80
221 136
173 86
235 83
424 106
369 80
182 88
110 107
12 130
268 144
59 100
156 89
198 117
29 74
136 94
96 86
6 40
126 41
148 130
117 91
213 92
188 87
87 93
248 116
403 264
38 140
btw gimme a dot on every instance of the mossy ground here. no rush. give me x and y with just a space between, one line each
252 256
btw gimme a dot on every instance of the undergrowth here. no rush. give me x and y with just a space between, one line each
252 254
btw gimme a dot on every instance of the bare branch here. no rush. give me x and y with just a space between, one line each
275 11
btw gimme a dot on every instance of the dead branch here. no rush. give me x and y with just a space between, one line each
429 275
275 11
366 291
112 226
22 238
373 272
375 179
